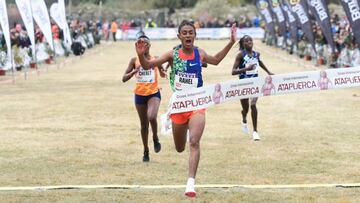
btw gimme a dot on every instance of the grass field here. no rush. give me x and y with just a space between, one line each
77 125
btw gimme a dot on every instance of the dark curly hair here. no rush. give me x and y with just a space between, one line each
186 22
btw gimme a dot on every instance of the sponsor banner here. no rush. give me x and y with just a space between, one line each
204 97
211 33
300 11
42 19
263 7
201 33
321 12
280 18
4 22
352 11
24 7
154 33
291 21
255 33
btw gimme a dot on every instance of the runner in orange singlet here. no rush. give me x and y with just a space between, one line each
147 97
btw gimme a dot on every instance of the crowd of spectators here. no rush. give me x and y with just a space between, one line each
346 53
83 34
90 33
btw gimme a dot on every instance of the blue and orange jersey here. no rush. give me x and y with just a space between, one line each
186 70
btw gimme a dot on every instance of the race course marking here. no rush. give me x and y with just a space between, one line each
87 187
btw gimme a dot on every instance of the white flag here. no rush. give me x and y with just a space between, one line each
66 30
4 22
26 14
55 14
41 17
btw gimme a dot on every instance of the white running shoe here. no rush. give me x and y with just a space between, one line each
190 188
245 128
256 136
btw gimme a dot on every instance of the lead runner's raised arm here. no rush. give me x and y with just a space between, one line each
217 58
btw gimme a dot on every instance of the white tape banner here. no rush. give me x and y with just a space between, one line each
210 95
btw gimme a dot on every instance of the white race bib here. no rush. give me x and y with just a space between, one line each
145 76
184 81
250 62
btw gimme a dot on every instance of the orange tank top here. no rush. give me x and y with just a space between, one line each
146 80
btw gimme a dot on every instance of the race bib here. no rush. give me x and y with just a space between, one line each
250 62
146 76
184 81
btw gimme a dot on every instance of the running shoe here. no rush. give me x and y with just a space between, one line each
146 157
190 188
245 128
157 146
256 136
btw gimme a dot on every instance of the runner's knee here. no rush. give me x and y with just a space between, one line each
180 148
253 108
194 143
152 117
144 125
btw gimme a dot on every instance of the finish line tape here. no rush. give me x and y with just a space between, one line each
125 187
210 95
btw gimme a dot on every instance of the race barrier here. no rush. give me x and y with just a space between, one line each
201 33
210 95
215 94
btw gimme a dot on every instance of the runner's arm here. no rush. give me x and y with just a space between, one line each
262 65
162 71
216 59
168 65
130 71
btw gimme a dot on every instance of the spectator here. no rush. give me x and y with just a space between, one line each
133 24
55 31
114 28
256 21
150 23
170 23
105 28
125 29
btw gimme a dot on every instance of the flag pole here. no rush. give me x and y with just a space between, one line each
53 45
12 64
34 45
26 68
69 6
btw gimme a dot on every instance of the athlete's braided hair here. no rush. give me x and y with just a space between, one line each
186 22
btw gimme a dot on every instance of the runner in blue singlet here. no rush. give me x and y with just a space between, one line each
186 62
247 65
